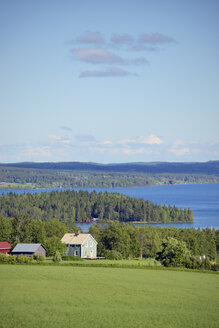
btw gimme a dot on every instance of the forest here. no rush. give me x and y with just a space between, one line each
126 240
90 175
190 248
71 206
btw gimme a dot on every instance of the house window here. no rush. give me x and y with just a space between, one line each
75 253
86 245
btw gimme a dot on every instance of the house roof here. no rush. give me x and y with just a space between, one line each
74 239
5 245
28 248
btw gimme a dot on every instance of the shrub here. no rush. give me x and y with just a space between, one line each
57 258
22 259
112 255
12 259
38 258
174 253
3 258
206 264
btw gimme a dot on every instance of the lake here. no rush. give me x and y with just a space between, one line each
203 199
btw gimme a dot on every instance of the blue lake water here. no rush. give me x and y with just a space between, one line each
203 199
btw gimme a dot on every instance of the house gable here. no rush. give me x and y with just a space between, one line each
81 245
89 247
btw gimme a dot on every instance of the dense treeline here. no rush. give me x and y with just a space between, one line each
171 246
23 229
177 247
29 178
72 206
143 241
209 168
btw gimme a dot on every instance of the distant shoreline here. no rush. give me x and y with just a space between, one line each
3 187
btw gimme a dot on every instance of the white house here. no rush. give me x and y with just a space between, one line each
80 244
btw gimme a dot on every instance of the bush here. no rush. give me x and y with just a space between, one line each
54 244
57 258
3 258
206 264
22 259
12 259
38 258
112 255
174 253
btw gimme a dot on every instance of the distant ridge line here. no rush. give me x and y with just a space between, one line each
209 168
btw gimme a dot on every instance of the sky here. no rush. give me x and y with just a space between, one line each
109 81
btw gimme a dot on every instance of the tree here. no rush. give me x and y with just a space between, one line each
174 253
57 258
54 244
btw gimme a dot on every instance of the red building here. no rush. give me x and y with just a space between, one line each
5 247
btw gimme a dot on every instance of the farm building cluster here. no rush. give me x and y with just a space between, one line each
78 244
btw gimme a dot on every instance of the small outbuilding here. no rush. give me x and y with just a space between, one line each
5 247
80 245
29 249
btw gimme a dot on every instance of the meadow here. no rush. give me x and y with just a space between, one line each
64 296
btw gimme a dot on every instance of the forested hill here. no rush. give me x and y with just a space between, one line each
208 168
92 175
71 206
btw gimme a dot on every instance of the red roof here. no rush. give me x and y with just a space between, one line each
4 245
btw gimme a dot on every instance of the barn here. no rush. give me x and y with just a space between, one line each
5 247
29 249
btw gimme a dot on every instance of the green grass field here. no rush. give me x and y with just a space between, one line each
34 296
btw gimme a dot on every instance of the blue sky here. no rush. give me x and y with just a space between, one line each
109 81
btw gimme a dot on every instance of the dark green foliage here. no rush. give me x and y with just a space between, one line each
12 259
3 258
174 253
38 258
112 255
23 229
71 206
147 242
54 244
23 259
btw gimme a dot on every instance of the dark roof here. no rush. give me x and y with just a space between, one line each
5 245
27 248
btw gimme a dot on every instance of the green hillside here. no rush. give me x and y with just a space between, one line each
60 297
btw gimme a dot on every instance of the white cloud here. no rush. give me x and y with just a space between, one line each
129 151
178 148
179 151
106 142
152 139
57 139
54 137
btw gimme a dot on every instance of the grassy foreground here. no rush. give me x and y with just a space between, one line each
60 296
